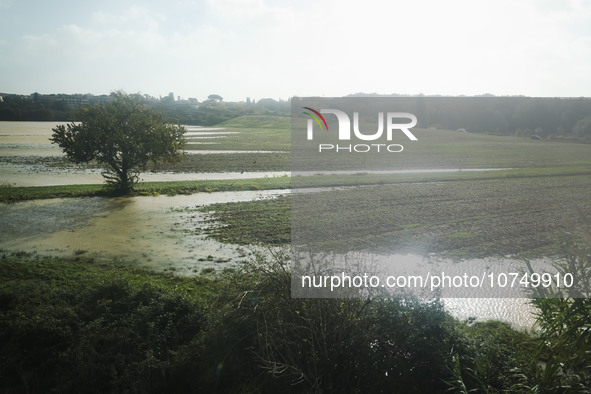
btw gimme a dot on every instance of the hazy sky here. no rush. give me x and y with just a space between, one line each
280 48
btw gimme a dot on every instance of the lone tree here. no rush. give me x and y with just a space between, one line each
123 135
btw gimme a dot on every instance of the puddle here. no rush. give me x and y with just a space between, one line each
31 139
160 233
27 139
8 128
517 311
202 128
196 138
153 177
466 293
164 233
15 150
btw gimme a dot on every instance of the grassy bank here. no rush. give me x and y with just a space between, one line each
13 194
75 326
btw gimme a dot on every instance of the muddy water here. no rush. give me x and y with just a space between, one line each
27 139
159 233
194 134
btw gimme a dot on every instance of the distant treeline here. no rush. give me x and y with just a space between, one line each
210 113
568 118
523 116
62 108
14 107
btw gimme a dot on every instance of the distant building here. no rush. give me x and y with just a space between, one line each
74 100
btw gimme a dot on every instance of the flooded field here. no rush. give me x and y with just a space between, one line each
161 233
28 158
154 232
167 233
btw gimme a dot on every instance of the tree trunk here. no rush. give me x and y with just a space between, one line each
126 186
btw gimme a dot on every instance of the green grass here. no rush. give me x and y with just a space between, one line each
263 221
13 194
69 325
79 276
235 162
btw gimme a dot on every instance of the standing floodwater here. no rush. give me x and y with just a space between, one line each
156 232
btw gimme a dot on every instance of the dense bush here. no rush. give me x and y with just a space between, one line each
564 316
56 335
337 345
80 327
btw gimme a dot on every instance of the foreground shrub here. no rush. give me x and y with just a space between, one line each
565 322
331 345
80 327
117 335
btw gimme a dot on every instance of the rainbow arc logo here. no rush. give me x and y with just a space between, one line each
316 115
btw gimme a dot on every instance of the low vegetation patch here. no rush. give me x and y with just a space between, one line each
77 326
264 221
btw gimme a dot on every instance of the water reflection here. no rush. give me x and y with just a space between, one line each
517 311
